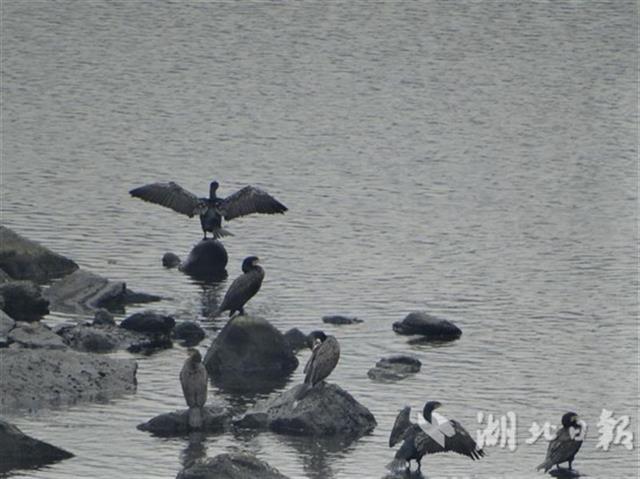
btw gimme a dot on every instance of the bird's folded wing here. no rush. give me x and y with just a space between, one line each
250 200
562 448
400 426
170 195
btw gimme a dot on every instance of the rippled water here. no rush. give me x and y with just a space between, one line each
477 160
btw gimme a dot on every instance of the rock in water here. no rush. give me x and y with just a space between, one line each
189 333
326 410
296 339
248 352
394 368
17 450
170 260
214 419
340 320
427 325
23 300
6 324
149 322
21 258
207 260
236 465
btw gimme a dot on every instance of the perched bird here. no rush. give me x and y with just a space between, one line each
324 358
566 444
437 434
243 202
193 379
244 287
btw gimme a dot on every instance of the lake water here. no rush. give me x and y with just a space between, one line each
476 160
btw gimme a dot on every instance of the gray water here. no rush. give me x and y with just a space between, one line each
476 160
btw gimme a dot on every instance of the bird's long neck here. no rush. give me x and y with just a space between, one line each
212 192
427 413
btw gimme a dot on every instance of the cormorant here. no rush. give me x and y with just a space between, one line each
193 379
566 444
441 435
243 288
323 360
243 202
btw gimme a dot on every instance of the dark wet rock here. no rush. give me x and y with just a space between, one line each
189 333
170 260
327 410
103 318
21 259
35 335
83 291
394 368
425 324
149 322
106 338
34 378
247 351
296 339
4 277
6 324
237 465
17 450
207 260
23 301
340 320
215 419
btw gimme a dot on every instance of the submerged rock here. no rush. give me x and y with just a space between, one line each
149 322
21 258
32 378
83 291
296 339
23 301
207 260
103 318
341 320
215 419
35 335
170 260
326 410
248 351
394 368
237 465
17 450
425 324
189 333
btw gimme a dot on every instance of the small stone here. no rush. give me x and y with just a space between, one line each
149 322
394 368
341 320
170 260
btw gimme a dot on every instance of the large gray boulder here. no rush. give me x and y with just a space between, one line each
21 258
237 465
207 260
34 336
82 292
32 378
326 410
23 300
17 450
427 325
248 352
215 419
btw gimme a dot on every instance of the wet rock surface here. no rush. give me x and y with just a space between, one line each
247 351
170 260
326 410
296 339
107 338
394 368
6 324
17 450
21 258
23 300
231 466
341 320
35 335
149 322
189 333
424 324
207 260
215 419
33 378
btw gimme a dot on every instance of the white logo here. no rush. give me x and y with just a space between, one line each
438 429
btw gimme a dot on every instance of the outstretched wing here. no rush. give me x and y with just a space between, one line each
170 195
249 200
400 426
460 441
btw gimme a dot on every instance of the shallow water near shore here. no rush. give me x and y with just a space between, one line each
475 160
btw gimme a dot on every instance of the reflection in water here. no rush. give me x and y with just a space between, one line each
210 296
405 475
195 450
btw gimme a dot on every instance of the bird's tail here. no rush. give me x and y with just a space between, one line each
195 417
221 232
398 464
545 465
303 391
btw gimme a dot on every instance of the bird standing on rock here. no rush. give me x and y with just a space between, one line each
566 444
193 379
324 358
243 288
245 201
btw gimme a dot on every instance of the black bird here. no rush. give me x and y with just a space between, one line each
324 358
566 444
440 437
243 288
243 202
193 379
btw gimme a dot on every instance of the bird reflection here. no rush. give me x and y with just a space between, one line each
195 449
318 454
406 475
210 297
